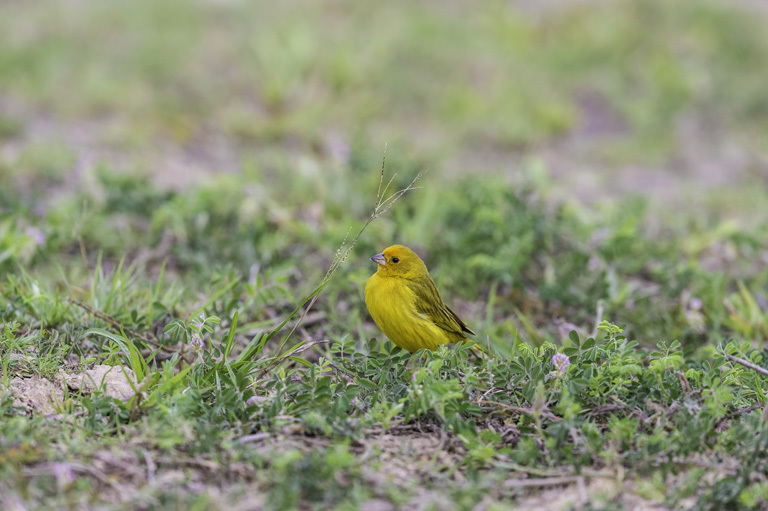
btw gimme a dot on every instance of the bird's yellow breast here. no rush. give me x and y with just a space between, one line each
392 305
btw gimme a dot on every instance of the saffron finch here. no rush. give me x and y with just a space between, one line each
406 305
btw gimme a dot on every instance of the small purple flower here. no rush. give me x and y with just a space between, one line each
36 234
696 303
64 474
196 340
561 362
413 376
339 149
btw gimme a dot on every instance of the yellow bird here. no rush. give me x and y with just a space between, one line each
406 305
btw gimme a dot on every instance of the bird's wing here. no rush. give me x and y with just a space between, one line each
429 303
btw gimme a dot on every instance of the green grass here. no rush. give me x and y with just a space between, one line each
196 324
178 179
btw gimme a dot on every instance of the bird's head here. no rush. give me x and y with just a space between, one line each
399 261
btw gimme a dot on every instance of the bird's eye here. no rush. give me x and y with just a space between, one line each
395 260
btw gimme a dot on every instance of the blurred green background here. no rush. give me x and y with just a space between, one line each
624 96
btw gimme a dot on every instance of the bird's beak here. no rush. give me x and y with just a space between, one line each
379 259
